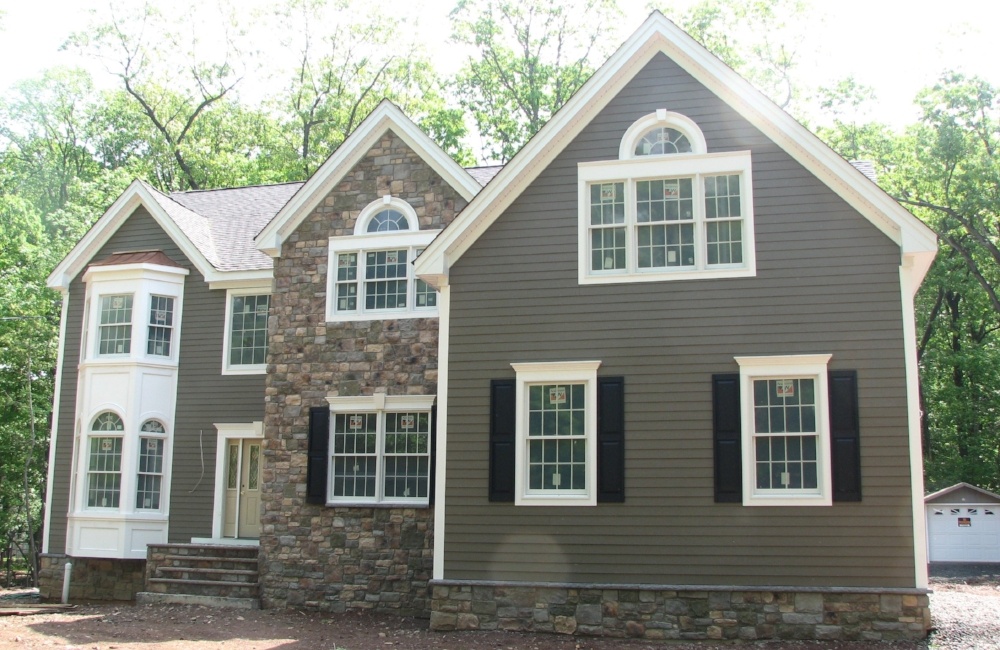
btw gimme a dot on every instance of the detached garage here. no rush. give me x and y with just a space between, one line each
963 525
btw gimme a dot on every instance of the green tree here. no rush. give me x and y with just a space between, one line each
162 66
348 58
532 56
28 326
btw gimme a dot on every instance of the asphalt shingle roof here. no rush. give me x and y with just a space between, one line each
222 223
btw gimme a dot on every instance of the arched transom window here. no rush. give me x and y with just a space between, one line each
662 140
388 220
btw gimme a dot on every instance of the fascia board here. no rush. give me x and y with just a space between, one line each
657 35
135 195
386 116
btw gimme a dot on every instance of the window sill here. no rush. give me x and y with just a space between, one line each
246 370
785 500
665 276
561 501
387 314
384 505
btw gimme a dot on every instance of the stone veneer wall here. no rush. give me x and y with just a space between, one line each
327 558
92 578
682 614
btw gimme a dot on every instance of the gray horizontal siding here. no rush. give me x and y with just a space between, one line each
204 396
827 282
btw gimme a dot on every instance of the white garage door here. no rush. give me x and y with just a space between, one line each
963 534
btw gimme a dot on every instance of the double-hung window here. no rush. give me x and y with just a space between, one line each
380 449
115 325
161 324
246 332
786 441
666 209
556 415
371 272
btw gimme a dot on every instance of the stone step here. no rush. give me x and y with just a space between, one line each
212 583
214 575
210 558
215 588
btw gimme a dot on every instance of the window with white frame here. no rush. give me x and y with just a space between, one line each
380 449
246 332
371 271
667 209
115 325
104 466
786 442
161 325
149 477
556 453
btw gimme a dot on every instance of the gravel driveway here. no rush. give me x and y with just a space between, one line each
965 609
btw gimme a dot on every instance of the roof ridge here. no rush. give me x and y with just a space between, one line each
238 187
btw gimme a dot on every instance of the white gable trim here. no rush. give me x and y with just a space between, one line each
135 195
658 35
386 116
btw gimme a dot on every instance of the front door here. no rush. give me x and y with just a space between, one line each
242 511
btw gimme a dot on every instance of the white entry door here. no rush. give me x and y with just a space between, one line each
963 534
242 509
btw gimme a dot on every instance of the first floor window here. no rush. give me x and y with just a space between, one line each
557 438
556 452
247 333
104 467
380 449
785 431
150 471
115 325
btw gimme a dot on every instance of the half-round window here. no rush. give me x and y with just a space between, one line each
108 421
662 133
662 140
388 220
152 426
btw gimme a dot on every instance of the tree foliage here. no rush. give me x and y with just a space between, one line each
757 38
531 56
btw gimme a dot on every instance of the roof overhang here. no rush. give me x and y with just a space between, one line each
918 243
386 116
136 195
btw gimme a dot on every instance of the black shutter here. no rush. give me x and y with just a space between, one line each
611 440
727 442
845 435
503 439
319 445
433 451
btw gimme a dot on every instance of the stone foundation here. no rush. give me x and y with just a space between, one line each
681 613
92 578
